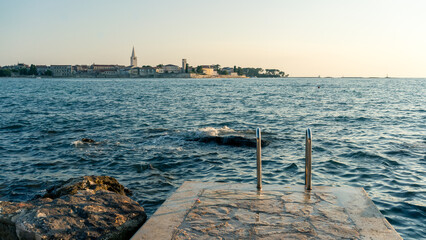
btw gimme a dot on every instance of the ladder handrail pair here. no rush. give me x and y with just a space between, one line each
308 159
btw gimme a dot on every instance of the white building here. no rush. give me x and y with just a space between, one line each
209 71
146 71
61 70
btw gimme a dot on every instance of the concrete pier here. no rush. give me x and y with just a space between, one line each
207 210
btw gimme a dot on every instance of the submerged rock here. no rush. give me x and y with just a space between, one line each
81 208
87 140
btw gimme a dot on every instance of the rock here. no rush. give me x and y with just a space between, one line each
95 183
85 215
87 140
85 211
9 212
235 141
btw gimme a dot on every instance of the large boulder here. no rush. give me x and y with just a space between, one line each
9 213
89 207
95 183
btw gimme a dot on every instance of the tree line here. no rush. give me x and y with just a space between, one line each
249 72
32 71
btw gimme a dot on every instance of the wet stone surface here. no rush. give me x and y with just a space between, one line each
209 210
233 214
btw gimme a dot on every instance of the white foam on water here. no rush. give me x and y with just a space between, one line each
211 131
77 143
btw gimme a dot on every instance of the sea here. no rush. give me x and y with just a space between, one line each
154 134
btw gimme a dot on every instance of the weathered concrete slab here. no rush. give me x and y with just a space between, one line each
206 210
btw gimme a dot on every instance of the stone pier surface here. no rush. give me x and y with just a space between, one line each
206 210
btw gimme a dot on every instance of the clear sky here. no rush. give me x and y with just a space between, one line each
302 37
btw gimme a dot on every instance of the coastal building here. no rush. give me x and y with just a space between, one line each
184 66
170 68
110 73
17 66
159 69
229 70
61 70
134 71
102 68
22 65
105 70
81 68
41 69
208 66
147 71
124 72
133 59
209 71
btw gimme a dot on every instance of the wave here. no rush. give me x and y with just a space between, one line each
50 131
221 136
362 155
291 168
211 131
12 127
226 136
236 141
400 152
334 164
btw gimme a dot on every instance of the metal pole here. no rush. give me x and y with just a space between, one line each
259 160
308 160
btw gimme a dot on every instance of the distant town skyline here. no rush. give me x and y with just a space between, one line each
303 38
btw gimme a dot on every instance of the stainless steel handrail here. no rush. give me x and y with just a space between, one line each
258 157
308 160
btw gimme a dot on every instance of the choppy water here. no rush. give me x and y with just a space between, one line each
153 134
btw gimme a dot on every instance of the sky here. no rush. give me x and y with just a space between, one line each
365 38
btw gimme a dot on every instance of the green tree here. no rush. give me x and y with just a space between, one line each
48 73
252 72
33 70
23 71
199 69
5 73
216 67
222 72
240 71
160 65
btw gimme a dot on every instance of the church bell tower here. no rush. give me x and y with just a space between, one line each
133 59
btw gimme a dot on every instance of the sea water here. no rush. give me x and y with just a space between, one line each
153 134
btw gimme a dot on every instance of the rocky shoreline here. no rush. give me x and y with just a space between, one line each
89 207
